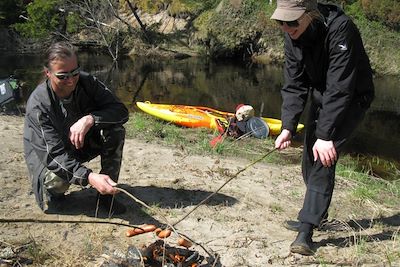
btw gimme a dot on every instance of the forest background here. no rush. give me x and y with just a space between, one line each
239 29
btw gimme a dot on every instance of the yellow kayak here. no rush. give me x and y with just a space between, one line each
197 116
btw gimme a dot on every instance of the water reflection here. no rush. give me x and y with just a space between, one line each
221 85
201 82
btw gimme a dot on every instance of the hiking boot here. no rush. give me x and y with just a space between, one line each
324 225
292 225
109 204
302 244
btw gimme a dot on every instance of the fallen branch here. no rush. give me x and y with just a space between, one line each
32 220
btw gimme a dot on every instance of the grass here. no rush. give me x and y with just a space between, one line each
380 41
276 208
296 194
358 170
367 186
37 252
195 141
367 247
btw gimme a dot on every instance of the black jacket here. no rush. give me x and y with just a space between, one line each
329 60
47 125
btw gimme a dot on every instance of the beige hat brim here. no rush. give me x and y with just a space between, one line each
287 14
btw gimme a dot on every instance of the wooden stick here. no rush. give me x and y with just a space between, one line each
230 179
32 220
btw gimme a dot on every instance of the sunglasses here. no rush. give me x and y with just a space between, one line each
67 75
291 24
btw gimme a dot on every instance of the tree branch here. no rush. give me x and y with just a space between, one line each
118 17
142 26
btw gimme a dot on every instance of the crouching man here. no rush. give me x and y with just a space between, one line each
71 118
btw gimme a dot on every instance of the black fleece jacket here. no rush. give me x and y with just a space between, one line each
329 59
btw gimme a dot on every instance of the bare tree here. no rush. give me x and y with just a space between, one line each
97 14
115 13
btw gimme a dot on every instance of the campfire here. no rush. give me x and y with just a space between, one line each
158 254
161 254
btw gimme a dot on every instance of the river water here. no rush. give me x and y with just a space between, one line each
220 85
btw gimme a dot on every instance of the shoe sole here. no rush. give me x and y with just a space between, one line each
301 250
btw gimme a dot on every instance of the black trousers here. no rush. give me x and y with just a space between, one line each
320 180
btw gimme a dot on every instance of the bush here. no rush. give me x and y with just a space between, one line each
174 7
74 23
43 18
384 11
233 27
177 7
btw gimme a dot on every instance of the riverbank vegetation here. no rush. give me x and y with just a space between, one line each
366 176
216 28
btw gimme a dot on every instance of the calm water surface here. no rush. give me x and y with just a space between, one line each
221 85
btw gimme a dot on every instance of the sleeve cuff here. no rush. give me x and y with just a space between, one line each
290 129
322 135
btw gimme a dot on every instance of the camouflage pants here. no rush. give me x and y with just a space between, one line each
106 143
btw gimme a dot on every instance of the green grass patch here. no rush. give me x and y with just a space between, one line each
276 208
367 186
361 245
380 41
197 140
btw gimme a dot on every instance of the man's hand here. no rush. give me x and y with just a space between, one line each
325 151
103 183
79 129
283 140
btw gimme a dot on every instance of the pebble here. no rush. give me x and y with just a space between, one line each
7 253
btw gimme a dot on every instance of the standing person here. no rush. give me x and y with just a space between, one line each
70 119
325 60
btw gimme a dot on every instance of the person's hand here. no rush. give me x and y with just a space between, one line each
325 151
79 129
103 183
283 140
